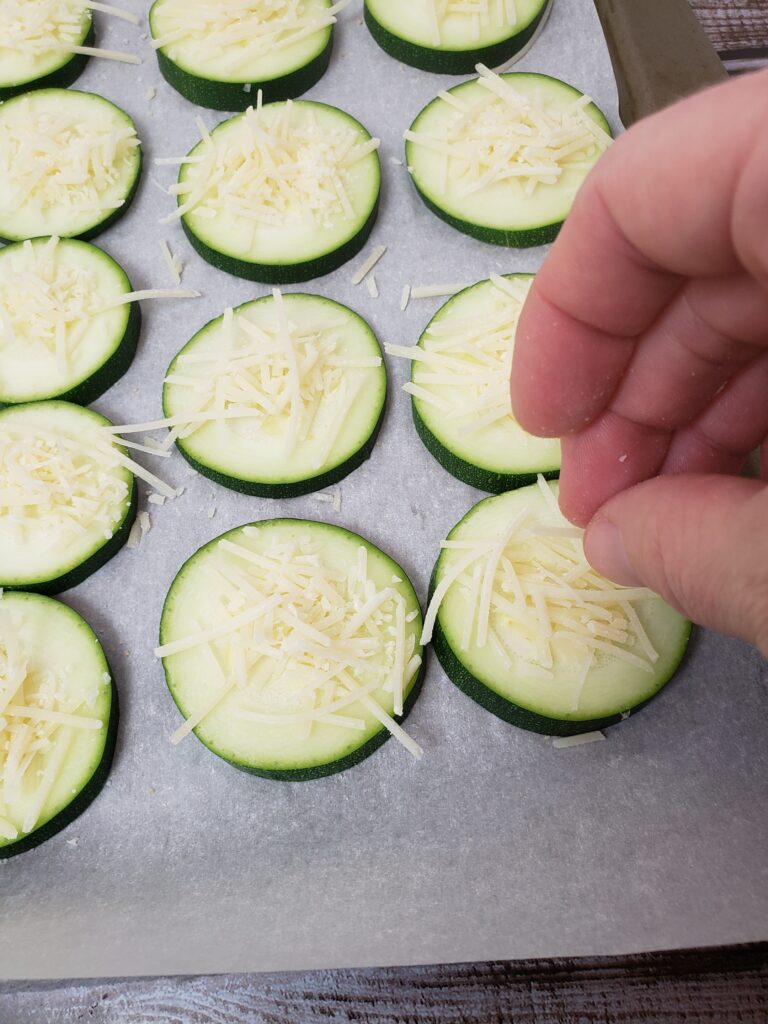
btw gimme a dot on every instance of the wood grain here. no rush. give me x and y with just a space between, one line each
695 987
734 25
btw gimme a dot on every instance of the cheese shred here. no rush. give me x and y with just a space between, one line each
42 711
520 597
507 137
295 641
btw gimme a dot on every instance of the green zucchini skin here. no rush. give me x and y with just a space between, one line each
84 798
115 216
334 767
522 717
511 238
231 96
109 373
61 78
291 489
308 772
87 568
289 273
113 369
450 62
475 476
526 239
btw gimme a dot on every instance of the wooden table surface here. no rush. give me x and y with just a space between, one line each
727 986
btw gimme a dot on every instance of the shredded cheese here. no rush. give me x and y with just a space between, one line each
41 29
73 153
463 363
272 167
505 136
60 482
434 291
468 18
368 263
237 31
41 712
306 642
518 599
268 377
53 297
563 742
174 264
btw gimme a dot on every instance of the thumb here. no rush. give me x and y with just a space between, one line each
699 541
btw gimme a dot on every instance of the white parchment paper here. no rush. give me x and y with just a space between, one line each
496 845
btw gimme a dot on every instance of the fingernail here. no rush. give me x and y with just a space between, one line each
605 551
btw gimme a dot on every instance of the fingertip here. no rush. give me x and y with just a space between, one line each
605 550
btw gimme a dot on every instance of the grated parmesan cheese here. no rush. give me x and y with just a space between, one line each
272 167
64 162
563 742
42 710
268 378
521 597
463 364
325 643
509 137
38 31
232 35
433 291
174 264
368 263
466 19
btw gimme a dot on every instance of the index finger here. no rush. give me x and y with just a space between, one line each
664 204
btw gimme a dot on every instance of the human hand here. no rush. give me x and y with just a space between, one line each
644 345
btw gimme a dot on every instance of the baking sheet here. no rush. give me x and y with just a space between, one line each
496 845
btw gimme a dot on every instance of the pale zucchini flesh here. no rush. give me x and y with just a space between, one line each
50 140
63 331
452 38
230 678
306 430
34 44
220 56
67 501
509 673
466 384
255 231
53 665
499 209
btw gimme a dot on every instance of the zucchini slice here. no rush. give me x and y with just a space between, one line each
282 193
58 719
69 164
285 395
67 496
291 648
219 54
459 389
64 332
451 37
530 631
36 41
532 140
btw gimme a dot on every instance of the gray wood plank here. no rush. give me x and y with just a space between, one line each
694 987
734 24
